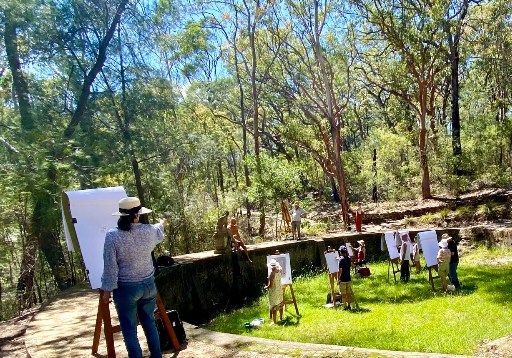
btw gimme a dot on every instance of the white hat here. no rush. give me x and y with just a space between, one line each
131 205
443 243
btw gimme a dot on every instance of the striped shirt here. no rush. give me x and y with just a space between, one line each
127 254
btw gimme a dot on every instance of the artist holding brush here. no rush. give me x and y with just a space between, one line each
129 274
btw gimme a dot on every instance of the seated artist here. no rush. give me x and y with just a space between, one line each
236 241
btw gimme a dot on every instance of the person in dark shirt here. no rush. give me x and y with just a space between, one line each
454 261
344 279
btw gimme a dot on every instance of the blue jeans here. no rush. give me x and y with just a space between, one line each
453 274
137 300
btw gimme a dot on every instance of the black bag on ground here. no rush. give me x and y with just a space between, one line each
165 342
328 299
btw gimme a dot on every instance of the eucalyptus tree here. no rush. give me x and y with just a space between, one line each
78 34
455 25
408 33
313 74
490 43
240 23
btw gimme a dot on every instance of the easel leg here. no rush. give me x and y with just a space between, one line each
167 324
431 278
389 266
97 329
294 301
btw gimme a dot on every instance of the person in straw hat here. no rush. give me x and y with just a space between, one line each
275 290
128 273
443 259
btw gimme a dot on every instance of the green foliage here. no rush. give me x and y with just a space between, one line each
456 317
313 228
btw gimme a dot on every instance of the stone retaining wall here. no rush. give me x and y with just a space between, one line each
202 285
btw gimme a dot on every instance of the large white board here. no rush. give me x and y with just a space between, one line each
91 211
430 246
350 249
284 262
389 237
332 260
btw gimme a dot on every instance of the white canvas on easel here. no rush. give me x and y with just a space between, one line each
284 262
332 260
350 249
91 211
430 246
389 237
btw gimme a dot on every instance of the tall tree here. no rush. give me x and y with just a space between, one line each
413 31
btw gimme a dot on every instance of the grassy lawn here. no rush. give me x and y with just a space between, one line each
405 317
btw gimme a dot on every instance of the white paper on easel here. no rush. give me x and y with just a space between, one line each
67 235
430 246
332 259
350 249
391 245
284 262
91 211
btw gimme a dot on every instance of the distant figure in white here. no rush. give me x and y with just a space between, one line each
297 213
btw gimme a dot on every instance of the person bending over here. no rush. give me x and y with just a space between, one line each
128 273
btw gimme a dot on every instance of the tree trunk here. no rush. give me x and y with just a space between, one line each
425 176
456 144
19 83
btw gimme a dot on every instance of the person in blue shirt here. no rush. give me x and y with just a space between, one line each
128 273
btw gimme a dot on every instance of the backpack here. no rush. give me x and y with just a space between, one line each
363 271
179 330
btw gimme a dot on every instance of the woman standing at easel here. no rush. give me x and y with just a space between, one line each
275 290
128 274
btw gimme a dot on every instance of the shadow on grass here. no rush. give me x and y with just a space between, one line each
289 321
496 283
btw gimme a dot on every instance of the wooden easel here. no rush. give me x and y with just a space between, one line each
103 315
431 276
292 293
333 278
290 300
393 265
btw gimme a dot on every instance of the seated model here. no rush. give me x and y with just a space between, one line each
236 241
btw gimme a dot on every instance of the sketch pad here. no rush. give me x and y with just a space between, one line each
92 210
389 237
430 246
332 259
284 262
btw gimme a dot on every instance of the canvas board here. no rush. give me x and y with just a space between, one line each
91 211
332 259
389 237
350 249
430 246
284 262
67 235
